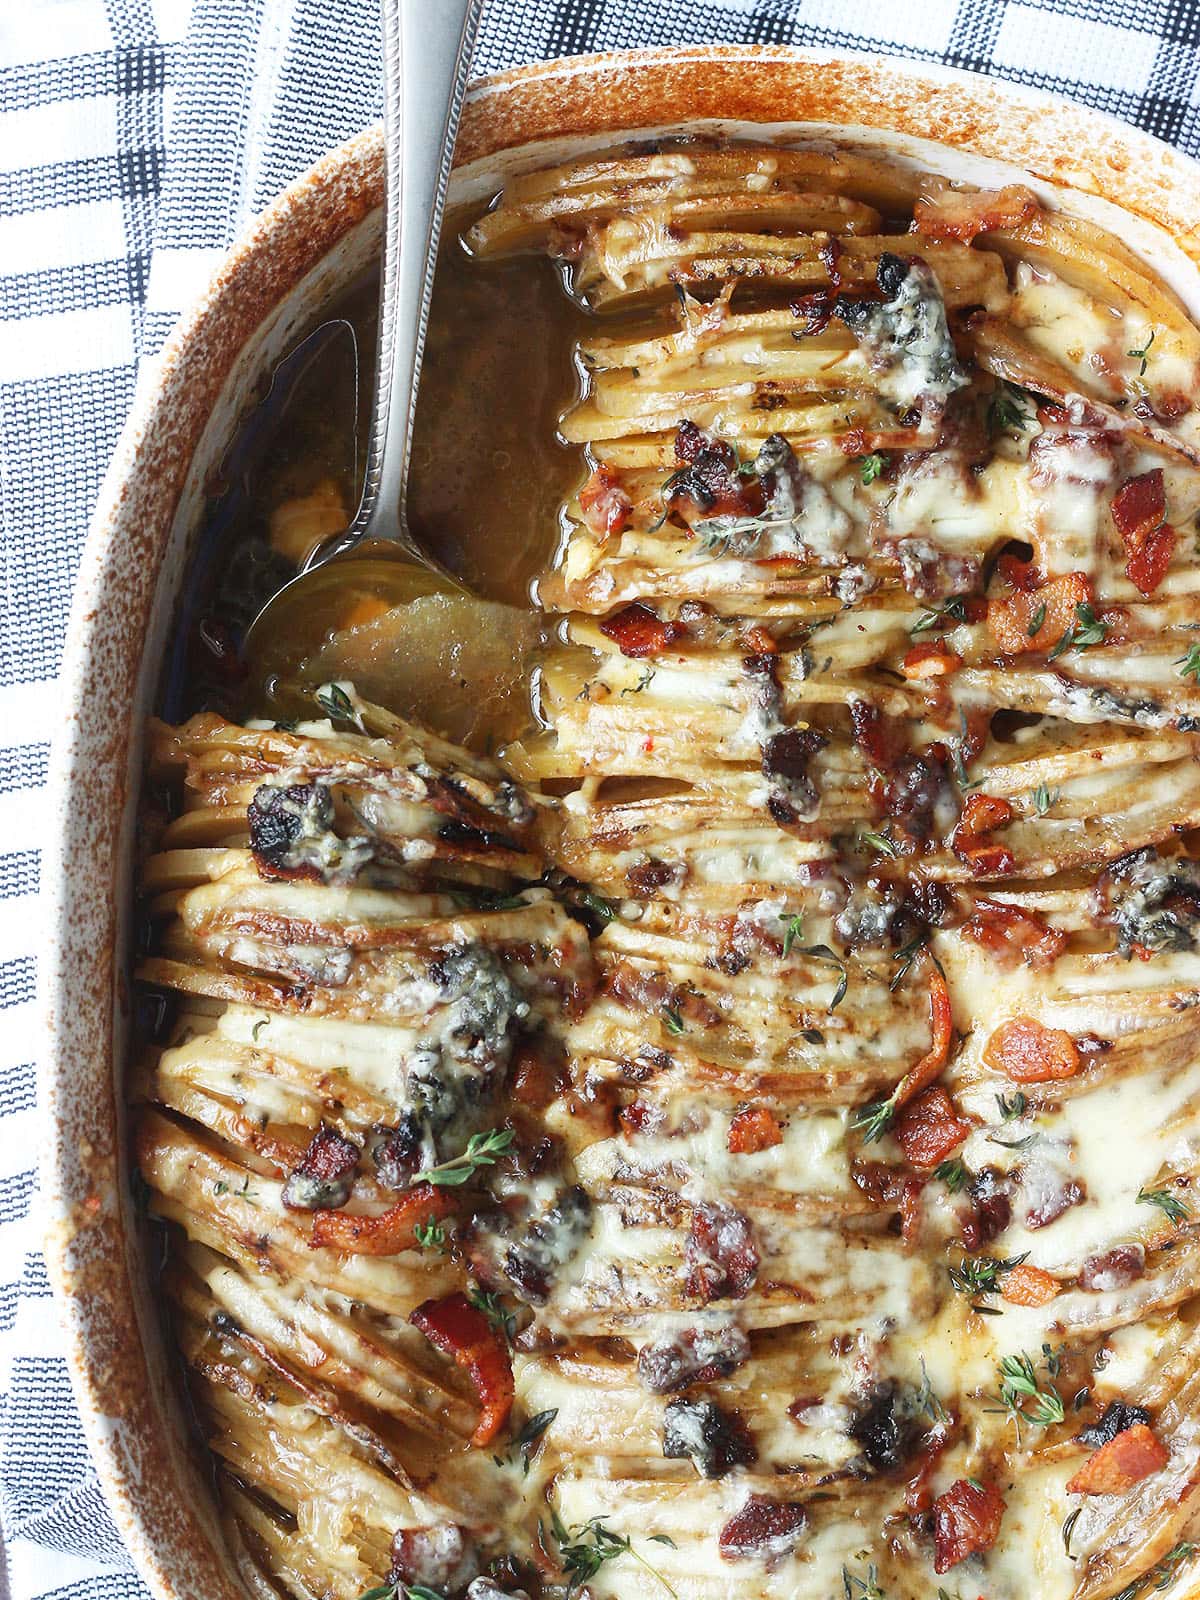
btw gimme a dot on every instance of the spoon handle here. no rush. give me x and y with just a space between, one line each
427 46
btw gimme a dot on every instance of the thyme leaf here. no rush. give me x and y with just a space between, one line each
1005 413
1143 355
1171 1206
1012 1108
822 952
953 1174
337 704
880 842
430 1235
871 467
953 610
795 930
873 1121
1088 630
854 1588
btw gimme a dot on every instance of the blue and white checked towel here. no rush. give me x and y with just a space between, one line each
136 139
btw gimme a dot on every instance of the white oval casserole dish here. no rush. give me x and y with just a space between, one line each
316 237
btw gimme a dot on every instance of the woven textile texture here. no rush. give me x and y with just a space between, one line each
137 137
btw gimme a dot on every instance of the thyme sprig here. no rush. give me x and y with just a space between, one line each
483 1150
586 1547
874 1120
982 1274
1161 1575
1088 630
1023 1398
501 1318
337 705
855 1588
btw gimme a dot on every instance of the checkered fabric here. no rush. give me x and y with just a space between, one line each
136 139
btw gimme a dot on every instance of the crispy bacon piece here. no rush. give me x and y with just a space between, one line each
454 1326
933 659
1010 935
440 1556
941 1023
1028 1286
385 1235
1147 567
1139 506
1011 620
695 1355
322 1178
966 1522
721 1255
766 1528
910 788
892 1185
1055 1202
1115 1269
971 840
537 1075
711 478
752 1129
930 1128
991 1208
1028 1052
1018 574
983 813
639 631
605 505
1133 1455
1138 510
957 214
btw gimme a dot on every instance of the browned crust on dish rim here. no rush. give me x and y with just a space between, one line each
152 1477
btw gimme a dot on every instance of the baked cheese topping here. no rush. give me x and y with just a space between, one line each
742 1143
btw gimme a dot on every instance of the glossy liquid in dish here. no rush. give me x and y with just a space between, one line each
489 471
745 1144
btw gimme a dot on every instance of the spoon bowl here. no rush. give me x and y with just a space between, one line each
331 597
376 564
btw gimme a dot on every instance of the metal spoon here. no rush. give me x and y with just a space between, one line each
427 51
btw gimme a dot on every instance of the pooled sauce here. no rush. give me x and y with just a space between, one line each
489 472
